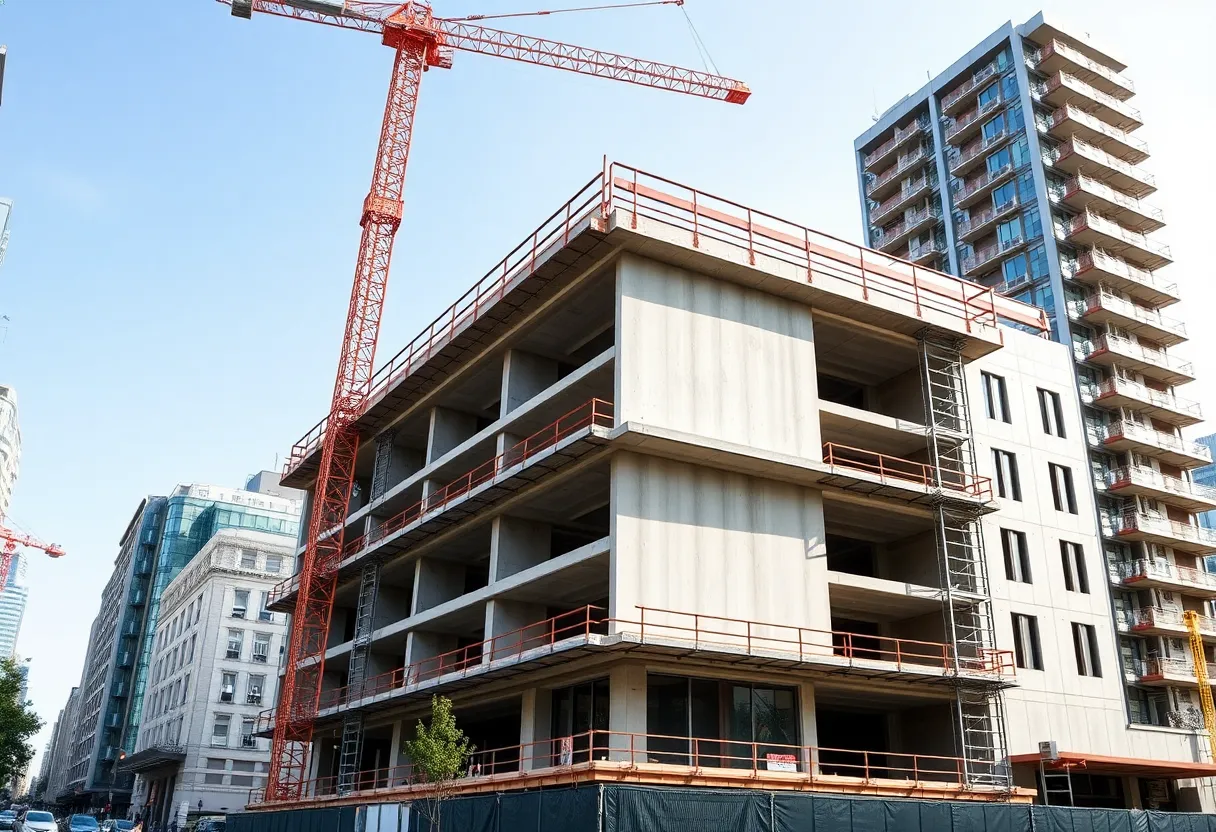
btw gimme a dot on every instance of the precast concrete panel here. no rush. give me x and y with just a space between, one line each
715 359
698 540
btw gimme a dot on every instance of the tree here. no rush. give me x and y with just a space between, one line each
17 724
439 754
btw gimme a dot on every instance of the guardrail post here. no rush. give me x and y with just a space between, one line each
751 247
633 223
810 273
696 227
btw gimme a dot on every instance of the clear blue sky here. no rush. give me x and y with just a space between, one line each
188 185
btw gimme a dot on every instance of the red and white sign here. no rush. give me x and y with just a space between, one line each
781 762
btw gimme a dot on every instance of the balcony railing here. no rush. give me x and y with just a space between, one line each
1098 223
913 220
984 180
1142 182
1126 309
1063 79
1099 261
969 86
1015 284
1078 184
1164 571
962 124
901 135
1136 432
978 220
1157 524
905 163
1069 112
1082 60
1155 398
986 255
889 205
1117 345
899 471
1187 719
972 152
1169 667
928 248
1151 478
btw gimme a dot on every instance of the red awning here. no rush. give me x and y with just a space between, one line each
1099 764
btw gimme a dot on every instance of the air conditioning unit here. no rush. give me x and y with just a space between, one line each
249 741
226 693
254 697
238 612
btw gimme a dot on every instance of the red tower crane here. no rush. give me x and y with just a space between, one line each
10 540
420 41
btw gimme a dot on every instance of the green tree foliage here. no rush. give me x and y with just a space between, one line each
439 753
17 723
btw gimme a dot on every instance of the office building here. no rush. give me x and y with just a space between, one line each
1019 169
214 667
685 494
13 598
160 540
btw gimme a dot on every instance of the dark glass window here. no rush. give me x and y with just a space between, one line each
578 713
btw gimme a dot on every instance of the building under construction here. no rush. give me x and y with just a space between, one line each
681 494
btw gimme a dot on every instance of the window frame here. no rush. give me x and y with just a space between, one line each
1076 573
1085 648
1053 414
1011 490
1017 569
1063 492
1022 651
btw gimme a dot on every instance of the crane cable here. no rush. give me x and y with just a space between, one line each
706 59
473 17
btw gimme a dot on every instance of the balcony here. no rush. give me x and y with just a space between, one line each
1055 56
1168 672
1094 230
906 196
1082 193
1126 436
1069 122
1063 88
957 98
1161 574
979 188
1156 528
1015 284
1139 480
888 181
1190 719
1103 307
1161 405
969 123
974 155
989 254
926 252
1095 268
884 152
1079 157
982 222
889 239
1108 350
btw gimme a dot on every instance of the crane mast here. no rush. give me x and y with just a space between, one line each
420 41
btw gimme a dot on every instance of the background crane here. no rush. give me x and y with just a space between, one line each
420 41
9 542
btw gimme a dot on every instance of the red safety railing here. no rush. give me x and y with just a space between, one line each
668 755
638 194
699 630
901 471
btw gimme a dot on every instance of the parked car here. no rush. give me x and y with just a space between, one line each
216 823
82 823
8 819
37 821
117 825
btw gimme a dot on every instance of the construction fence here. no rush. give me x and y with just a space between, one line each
646 809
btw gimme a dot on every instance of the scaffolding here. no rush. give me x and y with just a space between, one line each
966 592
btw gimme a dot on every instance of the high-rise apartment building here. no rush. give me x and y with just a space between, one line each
214 667
161 539
1019 169
10 446
684 494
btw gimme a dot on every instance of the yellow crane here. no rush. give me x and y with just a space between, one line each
1191 619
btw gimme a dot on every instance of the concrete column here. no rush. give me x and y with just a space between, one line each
515 626
525 374
529 749
516 545
420 646
436 581
627 712
392 604
394 753
809 726
448 429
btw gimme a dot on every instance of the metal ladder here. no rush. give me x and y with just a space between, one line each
962 561
352 721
